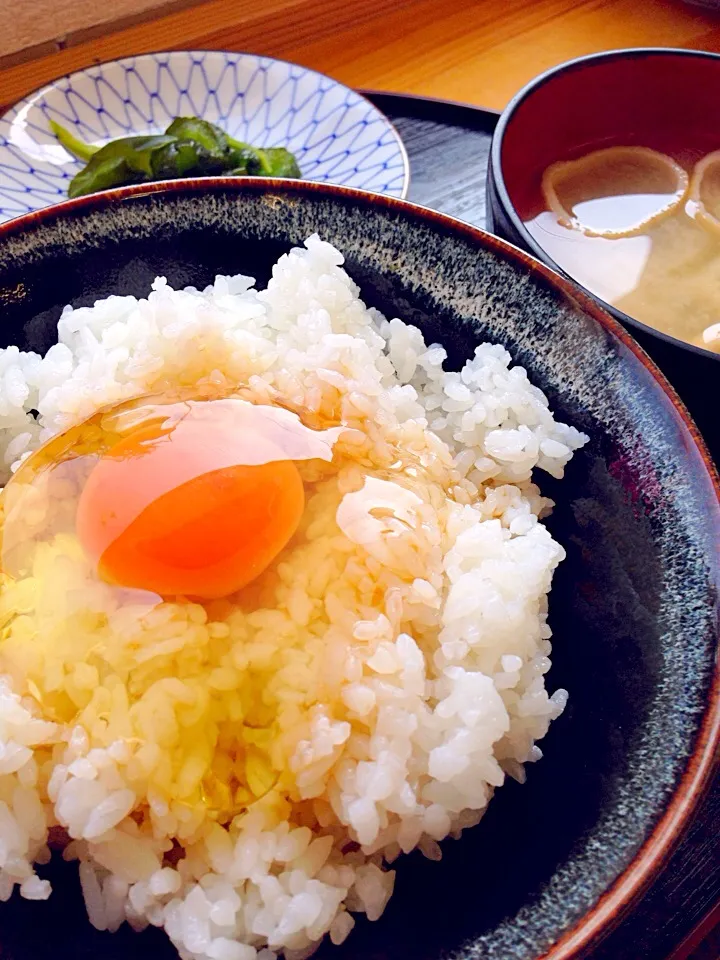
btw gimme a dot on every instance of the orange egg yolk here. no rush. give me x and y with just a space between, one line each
189 509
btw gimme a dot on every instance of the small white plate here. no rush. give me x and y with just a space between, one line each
336 135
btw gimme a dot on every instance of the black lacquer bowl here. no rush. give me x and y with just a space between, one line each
556 861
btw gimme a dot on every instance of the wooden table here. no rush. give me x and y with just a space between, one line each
476 51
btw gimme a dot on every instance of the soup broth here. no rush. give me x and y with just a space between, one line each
640 229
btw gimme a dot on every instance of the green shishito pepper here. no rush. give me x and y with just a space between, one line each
211 138
83 151
266 162
128 160
190 147
281 163
183 158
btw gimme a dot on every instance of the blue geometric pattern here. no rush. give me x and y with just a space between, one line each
337 135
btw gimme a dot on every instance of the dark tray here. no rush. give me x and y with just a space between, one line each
448 145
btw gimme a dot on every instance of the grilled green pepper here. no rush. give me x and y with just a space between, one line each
245 160
211 138
190 147
282 163
128 160
262 162
184 158
80 149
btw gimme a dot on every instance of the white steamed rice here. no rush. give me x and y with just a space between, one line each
405 663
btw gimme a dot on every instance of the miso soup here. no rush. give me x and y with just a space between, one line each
640 229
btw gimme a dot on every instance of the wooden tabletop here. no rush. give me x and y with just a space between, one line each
477 51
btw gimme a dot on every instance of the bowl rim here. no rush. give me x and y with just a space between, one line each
496 178
704 759
36 92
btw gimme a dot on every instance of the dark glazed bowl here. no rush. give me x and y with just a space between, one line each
638 96
634 608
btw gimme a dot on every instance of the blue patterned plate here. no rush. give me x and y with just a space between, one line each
337 135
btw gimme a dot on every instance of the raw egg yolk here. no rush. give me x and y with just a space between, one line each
189 509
